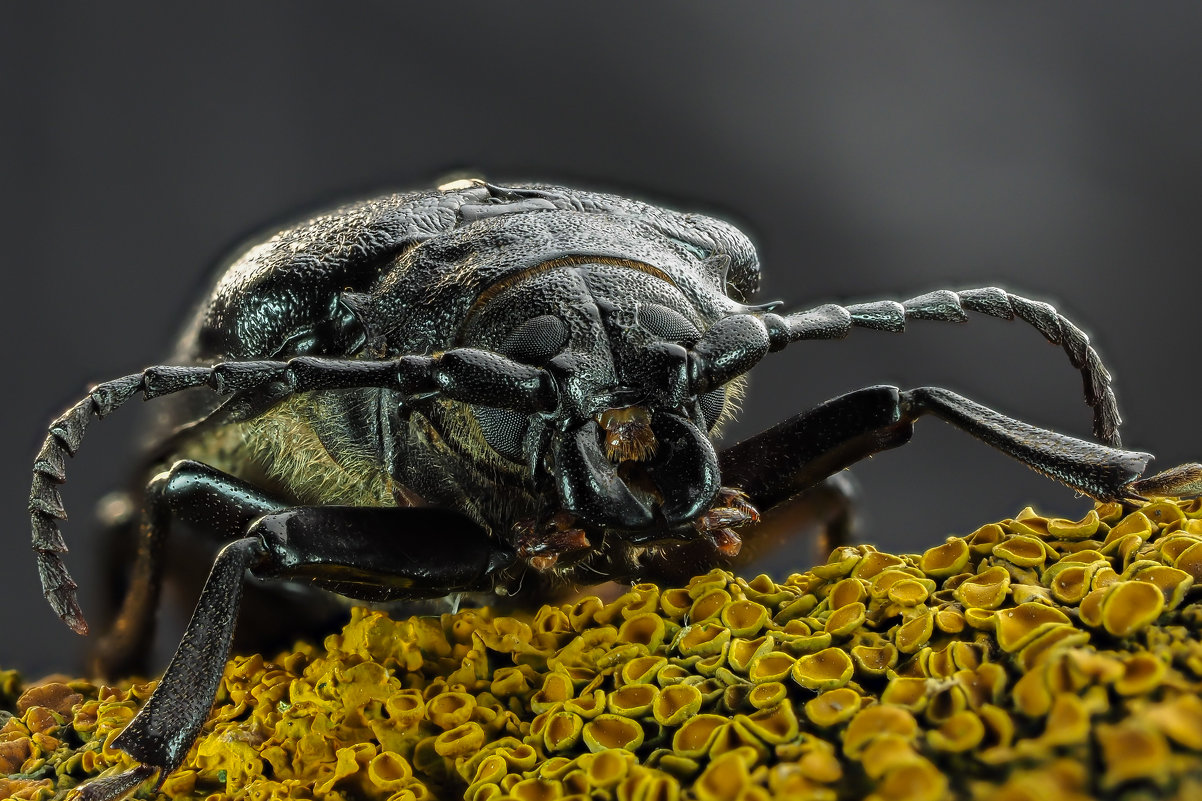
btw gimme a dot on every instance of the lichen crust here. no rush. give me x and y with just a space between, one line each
1035 658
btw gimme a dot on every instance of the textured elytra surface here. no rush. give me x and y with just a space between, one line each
1036 658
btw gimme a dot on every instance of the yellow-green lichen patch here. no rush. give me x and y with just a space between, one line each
1036 658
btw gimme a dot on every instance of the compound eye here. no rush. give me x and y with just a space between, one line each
503 429
712 404
667 324
536 340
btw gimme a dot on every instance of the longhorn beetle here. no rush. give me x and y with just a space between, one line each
482 387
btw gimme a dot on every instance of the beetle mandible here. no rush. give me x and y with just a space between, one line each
484 387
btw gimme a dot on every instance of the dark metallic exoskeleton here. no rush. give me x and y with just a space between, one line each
486 388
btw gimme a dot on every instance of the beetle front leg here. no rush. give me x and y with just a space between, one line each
364 553
800 452
162 732
807 448
789 473
189 492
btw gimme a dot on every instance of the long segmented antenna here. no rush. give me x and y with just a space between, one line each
463 374
835 322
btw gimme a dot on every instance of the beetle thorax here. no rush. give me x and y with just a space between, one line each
627 448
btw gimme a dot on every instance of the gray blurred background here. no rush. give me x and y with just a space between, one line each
872 150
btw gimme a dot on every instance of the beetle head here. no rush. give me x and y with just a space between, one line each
628 446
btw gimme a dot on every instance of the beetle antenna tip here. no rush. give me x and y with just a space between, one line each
72 615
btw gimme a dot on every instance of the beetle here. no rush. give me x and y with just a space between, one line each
494 388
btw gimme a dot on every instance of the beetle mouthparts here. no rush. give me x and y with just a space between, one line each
683 476
628 434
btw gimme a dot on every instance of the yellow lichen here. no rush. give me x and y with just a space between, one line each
1037 658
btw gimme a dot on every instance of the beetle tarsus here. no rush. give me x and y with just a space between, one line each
111 788
1182 481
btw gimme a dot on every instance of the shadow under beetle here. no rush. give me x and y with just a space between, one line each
487 388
